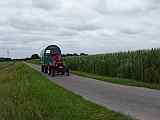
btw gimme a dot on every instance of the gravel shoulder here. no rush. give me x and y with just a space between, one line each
139 103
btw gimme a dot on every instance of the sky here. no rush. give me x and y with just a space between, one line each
90 26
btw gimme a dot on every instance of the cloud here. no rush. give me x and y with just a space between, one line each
47 4
92 26
124 6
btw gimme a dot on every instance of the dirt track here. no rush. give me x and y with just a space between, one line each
140 103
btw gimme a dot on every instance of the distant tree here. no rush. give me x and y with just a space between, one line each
5 59
75 54
27 59
35 56
83 54
69 54
63 55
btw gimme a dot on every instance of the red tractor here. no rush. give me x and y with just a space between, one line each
52 63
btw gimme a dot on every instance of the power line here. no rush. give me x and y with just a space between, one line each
6 52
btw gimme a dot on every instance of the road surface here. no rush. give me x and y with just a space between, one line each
139 103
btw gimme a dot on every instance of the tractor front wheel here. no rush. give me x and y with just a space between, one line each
42 68
46 69
49 70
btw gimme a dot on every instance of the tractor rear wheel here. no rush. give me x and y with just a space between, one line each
63 73
67 72
53 72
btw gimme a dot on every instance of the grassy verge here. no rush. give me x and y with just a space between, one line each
118 80
34 61
27 95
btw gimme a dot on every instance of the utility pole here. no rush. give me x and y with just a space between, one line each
6 52
2 52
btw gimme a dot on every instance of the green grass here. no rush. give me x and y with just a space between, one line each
120 81
34 61
27 95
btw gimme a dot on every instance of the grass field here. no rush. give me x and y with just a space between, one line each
27 95
34 61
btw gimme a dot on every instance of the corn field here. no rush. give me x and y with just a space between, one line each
141 65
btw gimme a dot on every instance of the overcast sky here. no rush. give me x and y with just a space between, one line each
91 26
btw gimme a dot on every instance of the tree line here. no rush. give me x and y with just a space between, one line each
74 54
5 59
141 65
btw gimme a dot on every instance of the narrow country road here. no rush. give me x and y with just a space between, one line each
139 103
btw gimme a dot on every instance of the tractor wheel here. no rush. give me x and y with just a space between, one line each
67 72
49 70
53 72
63 73
42 68
46 69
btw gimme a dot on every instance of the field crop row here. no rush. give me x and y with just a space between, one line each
141 65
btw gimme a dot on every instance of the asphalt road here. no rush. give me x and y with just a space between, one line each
139 103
